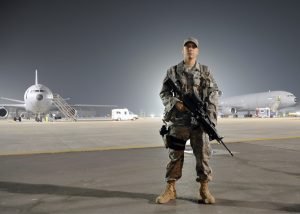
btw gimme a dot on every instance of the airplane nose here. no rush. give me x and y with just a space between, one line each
39 97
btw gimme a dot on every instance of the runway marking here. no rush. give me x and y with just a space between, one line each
132 147
79 150
214 152
262 139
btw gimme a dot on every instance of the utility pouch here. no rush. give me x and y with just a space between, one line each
164 130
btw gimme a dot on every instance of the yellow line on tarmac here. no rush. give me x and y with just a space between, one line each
133 147
78 150
263 139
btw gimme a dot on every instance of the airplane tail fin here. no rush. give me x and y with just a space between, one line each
36 77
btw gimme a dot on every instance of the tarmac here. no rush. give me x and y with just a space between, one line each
119 167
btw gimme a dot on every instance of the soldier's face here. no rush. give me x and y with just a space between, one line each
190 51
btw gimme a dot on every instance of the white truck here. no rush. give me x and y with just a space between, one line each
123 114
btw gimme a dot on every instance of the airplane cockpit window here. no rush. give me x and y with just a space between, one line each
37 91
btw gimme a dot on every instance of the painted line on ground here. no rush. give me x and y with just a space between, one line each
263 139
132 147
78 150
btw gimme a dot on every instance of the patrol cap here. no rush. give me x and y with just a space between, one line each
191 39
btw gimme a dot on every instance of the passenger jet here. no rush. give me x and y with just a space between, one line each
275 100
38 100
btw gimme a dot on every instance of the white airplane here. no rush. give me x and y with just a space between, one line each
274 100
38 100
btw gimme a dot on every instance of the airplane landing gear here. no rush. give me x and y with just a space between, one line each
37 119
18 118
248 114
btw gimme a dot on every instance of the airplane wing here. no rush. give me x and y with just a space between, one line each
100 106
233 106
13 100
238 108
13 105
85 106
5 110
19 105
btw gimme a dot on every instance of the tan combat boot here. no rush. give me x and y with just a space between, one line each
205 194
169 194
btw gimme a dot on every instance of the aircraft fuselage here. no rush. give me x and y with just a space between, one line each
38 99
249 102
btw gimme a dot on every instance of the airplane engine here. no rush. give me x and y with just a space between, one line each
229 110
3 112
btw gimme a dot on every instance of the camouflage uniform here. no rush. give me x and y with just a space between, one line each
197 80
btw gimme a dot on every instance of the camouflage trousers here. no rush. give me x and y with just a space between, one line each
201 149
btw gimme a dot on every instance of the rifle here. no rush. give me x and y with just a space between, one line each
198 110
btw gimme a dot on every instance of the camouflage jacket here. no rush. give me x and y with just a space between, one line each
197 80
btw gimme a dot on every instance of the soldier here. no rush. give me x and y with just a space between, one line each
192 78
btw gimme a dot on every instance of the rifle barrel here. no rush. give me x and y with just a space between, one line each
221 142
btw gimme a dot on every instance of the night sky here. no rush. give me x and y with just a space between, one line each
117 52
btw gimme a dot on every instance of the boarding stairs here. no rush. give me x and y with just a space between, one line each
68 111
274 107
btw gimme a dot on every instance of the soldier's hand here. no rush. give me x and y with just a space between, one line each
180 107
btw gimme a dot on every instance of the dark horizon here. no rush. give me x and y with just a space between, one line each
117 53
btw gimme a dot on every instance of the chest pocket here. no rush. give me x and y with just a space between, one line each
189 81
197 79
202 84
